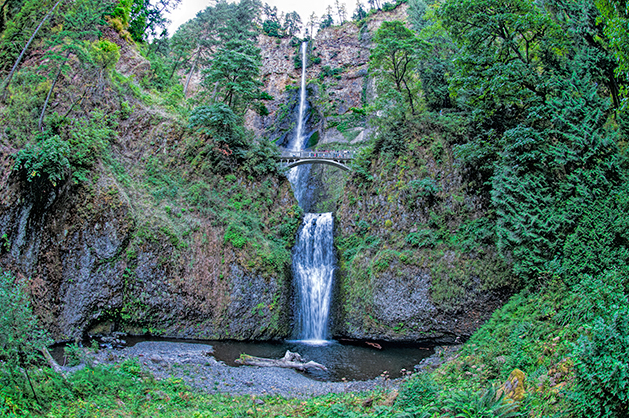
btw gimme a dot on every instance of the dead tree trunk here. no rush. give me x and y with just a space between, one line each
41 116
7 81
289 361
194 64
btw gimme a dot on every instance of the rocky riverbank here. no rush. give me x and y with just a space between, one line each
195 365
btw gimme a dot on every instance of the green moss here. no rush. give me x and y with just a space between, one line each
313 140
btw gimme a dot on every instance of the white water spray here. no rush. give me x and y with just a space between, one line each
302 100
313 271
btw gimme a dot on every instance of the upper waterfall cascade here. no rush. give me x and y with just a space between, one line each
298 176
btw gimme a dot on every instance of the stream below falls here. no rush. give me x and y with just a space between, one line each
343 360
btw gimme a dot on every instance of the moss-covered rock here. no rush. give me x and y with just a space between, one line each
417 260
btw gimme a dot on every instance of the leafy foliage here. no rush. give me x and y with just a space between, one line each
226 146
482 404
20 336
395 55
44 164
602 379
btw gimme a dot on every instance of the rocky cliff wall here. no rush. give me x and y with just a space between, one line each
99 259
414 259
337 78
148 241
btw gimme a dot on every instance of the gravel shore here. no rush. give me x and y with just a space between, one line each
195 364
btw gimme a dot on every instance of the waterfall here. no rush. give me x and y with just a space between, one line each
313 256
313 271
302 100
298 176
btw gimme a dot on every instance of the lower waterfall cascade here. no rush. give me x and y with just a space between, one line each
313 273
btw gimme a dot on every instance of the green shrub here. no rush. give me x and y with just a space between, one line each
261 159
236 236
73 355
602 388
421 238
417 394
88 139
602 352
392 135
361 165
272 28
224 145
387 7
21 339
418 191
481 404
328 71
594 297
105 54
45 163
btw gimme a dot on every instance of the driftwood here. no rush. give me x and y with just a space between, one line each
374 345
290 361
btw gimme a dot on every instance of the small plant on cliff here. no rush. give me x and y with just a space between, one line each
43 164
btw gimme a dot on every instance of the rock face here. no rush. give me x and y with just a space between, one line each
411 265
400 308
337 78
91 267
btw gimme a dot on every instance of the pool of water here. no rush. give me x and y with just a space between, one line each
343 361
349 361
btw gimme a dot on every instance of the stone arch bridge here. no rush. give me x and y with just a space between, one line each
338 159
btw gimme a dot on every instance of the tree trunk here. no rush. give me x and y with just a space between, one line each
410 97
31 384
194 64
172 72
289 361
41 116
7 81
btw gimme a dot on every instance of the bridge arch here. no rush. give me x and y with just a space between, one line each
333 163
336 159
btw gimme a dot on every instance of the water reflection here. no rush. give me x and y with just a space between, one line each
352 362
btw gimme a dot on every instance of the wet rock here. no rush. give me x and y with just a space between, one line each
344 49
75 251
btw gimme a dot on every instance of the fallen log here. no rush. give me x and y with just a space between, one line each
374 345
290 361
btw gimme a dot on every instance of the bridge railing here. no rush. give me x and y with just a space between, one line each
327 155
